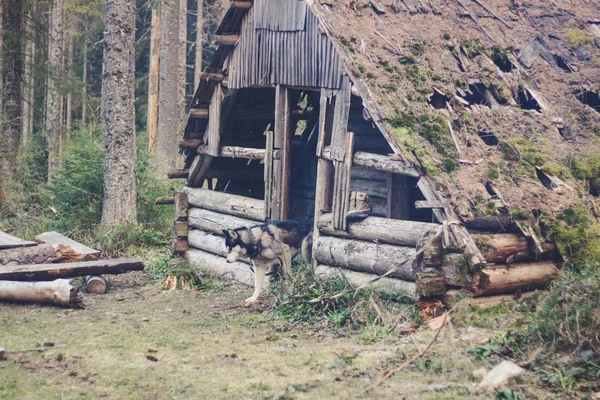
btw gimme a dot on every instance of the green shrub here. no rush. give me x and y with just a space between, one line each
578 37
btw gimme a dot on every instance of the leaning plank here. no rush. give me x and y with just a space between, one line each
361 256
389 286
59 292
507 279
378 162
10 242
235 271
55 238
384 230
501 247
227 203
40 254
45 272
214 222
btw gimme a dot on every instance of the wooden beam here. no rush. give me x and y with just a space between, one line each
240 152
178 174
226 203
243 5
199 113
236 271
282 139
180 199
58 293
379 162
268 174
212 136
164 201
212 76
45 272
226 40
428 204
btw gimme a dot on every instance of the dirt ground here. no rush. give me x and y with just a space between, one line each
140 342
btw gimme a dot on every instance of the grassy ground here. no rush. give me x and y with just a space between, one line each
206 346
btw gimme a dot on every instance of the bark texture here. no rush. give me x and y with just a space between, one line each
153 81
199 42
119 114
53 98
168 111
28 99
12 70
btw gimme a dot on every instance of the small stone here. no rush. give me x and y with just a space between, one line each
500 375
152 358
479 373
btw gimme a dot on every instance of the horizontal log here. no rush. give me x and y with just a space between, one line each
178 174
211 243
379 207
389 286
190 143
499 223
245 173
500 247
199 113
361 256
506 279
214 222
40 254
74 251
452 297
45 272
243 5
212 77
164 201
372 188
226 203
59 292
428 204
384 230
359 172
379 162
241 152
217 265
226 40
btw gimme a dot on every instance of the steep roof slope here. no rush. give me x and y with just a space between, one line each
498 99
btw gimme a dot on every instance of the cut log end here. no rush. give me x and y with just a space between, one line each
96 285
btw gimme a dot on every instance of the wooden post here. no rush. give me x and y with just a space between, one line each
269 175
398 197
212 137
282 141
179 244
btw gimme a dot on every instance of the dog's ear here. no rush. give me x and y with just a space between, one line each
230 233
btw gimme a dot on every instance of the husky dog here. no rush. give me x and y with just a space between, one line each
267 245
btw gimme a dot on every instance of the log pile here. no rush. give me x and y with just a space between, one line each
35 272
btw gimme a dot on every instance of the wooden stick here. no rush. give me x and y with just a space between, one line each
44 272
498 17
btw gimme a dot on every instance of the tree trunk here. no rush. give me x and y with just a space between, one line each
28 80
84 79
69 109
59 292
182 70
44 272
13 73
2 200
53 99
118 112
168 111
199 42
153 81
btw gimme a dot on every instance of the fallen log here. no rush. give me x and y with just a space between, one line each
96 284
46 272
226 203
384 230
506 279
368 257
236 271
78 251
452 297
59 292
41 254
214 222
498 248
389 286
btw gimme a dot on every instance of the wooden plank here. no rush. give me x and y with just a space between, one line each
47 272
9 242
239 152
212 136
226 40
428 204
242 5
340 120
379 162
268 174
381 230
282 143
55 238
398 206
199 113
226 203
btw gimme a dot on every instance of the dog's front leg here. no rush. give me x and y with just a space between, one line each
260 271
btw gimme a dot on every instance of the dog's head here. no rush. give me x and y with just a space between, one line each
236 247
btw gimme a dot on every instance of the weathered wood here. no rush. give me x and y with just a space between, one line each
452 297
243 5
498 248
58 292
239 152
226 40
339 130
372 188
44 272
10 242
212 136
434 252
268 174
42 254
379 162
96 284
211 243
179 246
398 201
282 137
428 204
73 251
499 223
368 257
181 205
178 174
455 270
245 173
180 229
164 201
214 222
199 113
226 203
217 265
341 188
506 279
383 230
430 284
359 172
389 286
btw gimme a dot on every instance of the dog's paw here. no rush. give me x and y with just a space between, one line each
248 302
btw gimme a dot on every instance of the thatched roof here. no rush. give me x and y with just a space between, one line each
510 77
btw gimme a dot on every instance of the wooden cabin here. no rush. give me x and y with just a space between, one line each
283 126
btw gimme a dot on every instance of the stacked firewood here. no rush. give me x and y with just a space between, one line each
40 271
